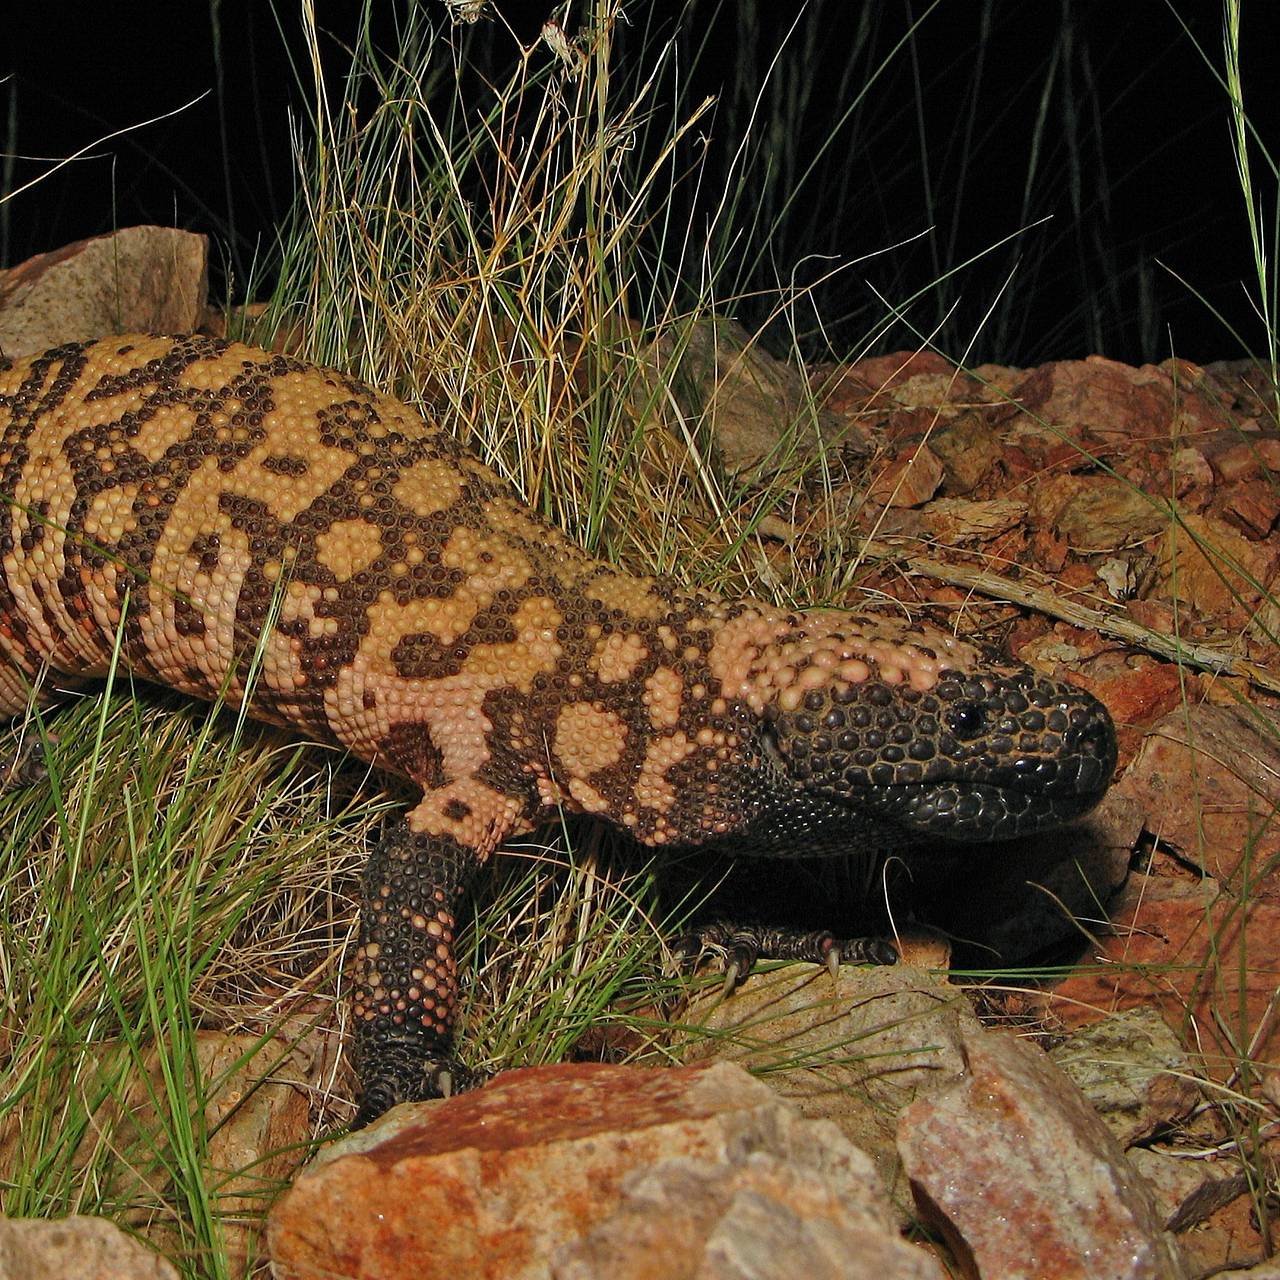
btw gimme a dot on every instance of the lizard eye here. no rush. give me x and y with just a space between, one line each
967 720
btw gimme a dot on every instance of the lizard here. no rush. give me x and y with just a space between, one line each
245 525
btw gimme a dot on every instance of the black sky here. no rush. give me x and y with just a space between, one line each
1159 183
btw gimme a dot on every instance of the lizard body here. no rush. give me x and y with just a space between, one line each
251 525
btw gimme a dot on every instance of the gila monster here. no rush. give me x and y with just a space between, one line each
202 502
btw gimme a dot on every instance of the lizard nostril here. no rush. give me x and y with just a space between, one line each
769 744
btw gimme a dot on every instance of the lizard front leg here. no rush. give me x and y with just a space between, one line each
406 977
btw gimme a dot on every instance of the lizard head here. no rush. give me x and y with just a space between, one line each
919 736
980 756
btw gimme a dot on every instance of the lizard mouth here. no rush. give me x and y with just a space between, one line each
988 810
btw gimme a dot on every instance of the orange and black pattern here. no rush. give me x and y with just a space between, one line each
253 527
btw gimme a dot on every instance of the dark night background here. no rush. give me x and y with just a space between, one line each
1157 180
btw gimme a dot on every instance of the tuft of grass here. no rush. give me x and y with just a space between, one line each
164 877
567 955
501 255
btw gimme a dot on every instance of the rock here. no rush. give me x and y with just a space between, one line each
1133 1070
915 390
1190 469
1253 507
1244 386
1212 571
1097 513
1102 402
1200 1201
498 1183
999 381
759 410
915 377
969 450
1138 691
909 480
1175 1183
1049 552
854 1051
1155 615
750 1218
76 1248
257 1130
1201 958
1014 1165
1237 463
953 521
1268 1270
1207 782
136 280
1228 1237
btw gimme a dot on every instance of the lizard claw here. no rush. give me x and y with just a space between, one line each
742 946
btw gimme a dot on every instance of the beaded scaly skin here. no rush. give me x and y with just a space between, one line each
410 608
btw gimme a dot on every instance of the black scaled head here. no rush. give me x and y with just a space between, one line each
1001 753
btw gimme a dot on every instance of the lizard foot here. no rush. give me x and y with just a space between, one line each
743 945
24 767
399 1075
